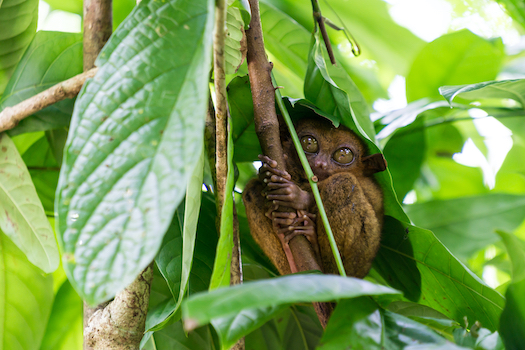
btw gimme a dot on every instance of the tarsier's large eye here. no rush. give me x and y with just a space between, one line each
309 144
343 155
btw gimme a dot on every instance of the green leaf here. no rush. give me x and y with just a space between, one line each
203 307
51 58
405 152
18 22
175 257
425 315
200 274
347 106
382 40
26 296
466 225
232 44
44 171
456 58
22 217
64 329
515 10
174 337
286 41
246 142
74 6
231 329
359 324
131 147
419 265
503 89
512 323
223 258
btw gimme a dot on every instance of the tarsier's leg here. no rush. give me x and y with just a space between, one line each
354 223
262 230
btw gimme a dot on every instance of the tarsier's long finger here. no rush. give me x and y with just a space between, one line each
278 185
281 219
268 160
272 208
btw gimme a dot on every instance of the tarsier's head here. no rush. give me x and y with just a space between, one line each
331 150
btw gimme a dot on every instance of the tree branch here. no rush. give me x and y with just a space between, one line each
98 25
120 325
11 116
267 129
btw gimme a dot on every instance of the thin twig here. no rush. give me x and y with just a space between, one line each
11 116
320 20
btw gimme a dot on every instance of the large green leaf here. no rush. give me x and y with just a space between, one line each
18 22
203 307
64 329
456 58
466 225
22 217
286 42
359 324
51 58
503 89
417 263
132 143
512 323
26 296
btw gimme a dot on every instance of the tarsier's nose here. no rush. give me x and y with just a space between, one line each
320 163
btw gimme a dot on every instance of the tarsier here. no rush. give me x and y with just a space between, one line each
352 199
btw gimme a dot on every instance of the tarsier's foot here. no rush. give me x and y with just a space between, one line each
303 224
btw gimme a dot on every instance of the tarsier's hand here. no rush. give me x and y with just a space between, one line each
280 190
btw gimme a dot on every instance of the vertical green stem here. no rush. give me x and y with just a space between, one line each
310 175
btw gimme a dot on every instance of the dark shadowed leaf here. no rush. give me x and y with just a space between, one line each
359 324
512 323
131 148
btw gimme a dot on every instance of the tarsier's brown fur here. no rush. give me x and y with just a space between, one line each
352 199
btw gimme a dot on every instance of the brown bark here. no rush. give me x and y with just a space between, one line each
11 116
267 124
267 129
98 25
120 325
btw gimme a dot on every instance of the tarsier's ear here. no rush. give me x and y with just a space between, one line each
374 163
